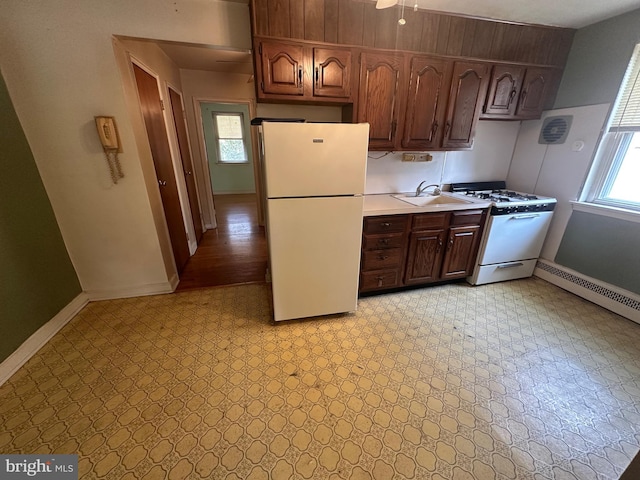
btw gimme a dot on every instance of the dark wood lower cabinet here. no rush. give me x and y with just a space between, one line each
419 248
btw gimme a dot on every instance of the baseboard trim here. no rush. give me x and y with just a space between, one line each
138 291
611 297
40 337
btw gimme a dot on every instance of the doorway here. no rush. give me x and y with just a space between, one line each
235 251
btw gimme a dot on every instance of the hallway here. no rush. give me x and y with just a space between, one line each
235 252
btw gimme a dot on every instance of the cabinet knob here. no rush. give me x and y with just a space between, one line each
439 245
385 224
382 257
383 241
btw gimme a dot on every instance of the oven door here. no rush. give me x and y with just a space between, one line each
517 236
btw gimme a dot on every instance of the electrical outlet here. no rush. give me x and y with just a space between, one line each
426 157
408 157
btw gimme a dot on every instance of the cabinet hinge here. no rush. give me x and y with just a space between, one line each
262 86
260 49
162 104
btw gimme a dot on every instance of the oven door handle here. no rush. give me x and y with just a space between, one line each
524 217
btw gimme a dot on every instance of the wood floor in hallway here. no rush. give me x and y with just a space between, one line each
233 253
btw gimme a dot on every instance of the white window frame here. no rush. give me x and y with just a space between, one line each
615 143
217 138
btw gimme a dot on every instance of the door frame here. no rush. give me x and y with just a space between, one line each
204 164
173 150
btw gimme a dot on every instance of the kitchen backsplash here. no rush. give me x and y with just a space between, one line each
489 160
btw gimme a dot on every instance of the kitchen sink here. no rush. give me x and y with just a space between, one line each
435 200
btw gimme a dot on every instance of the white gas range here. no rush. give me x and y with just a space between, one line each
515 231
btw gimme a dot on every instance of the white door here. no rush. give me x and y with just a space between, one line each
314 250
314 159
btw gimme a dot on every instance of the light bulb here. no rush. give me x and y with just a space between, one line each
415 7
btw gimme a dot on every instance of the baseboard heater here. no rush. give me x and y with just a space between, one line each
608 296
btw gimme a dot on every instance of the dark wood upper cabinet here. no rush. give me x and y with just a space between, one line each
504 91
535 92
282 68
420 87
468 90
332 72
429 81
300 72
380 102
519 92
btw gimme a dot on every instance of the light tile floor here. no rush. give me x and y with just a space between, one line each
517 380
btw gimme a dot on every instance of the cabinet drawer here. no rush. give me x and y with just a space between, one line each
374 242
379 259
385 224
466 217
379 279
427 221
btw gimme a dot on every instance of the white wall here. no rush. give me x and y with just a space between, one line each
58 61
557 171
489 160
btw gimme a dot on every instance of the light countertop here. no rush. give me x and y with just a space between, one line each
387 204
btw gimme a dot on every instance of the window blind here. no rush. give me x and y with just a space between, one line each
627 112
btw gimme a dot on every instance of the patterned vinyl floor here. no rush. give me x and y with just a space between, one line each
518 380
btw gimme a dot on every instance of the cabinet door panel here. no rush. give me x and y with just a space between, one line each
535 88
504 88
282 68
379 98
332 72
461 246
425 255
468 90
426 102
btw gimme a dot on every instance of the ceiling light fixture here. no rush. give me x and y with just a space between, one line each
402 21
380 4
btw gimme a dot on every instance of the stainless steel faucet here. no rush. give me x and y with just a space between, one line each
420 190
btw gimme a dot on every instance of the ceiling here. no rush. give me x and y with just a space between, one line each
562 13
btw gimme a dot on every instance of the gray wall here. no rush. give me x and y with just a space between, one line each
230 178
598 246
37 279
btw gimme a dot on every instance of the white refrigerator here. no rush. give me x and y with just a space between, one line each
314 178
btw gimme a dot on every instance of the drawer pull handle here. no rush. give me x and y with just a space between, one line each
385 224
439 245
380 281
383 257
511 265
383 241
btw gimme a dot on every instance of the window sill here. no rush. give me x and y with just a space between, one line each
607 211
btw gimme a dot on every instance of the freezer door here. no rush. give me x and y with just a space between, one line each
314 159
314 248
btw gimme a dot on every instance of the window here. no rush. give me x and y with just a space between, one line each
614 179
230 139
